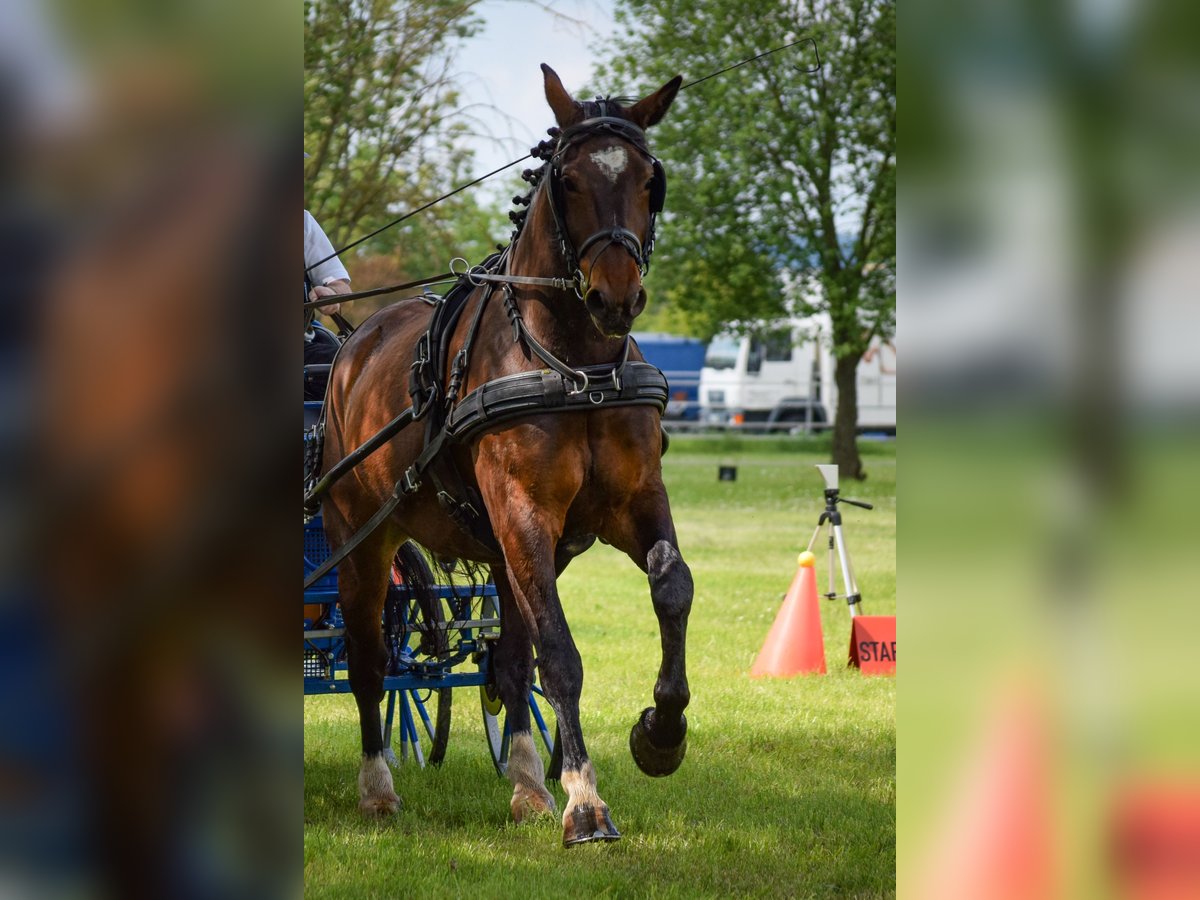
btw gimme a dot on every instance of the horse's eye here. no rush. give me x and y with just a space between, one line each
569 184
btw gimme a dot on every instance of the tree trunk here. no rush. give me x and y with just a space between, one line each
845 423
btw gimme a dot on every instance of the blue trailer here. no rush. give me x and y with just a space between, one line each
680 359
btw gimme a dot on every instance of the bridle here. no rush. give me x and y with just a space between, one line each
550 172
617 235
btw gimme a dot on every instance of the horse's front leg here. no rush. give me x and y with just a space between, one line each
528 530
659 737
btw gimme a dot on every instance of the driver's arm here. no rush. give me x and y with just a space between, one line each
337 286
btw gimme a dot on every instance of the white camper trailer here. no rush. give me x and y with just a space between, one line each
782 378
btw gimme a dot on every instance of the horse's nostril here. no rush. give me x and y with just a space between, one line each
637 302
594 302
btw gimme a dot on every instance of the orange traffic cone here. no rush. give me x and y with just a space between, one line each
794 644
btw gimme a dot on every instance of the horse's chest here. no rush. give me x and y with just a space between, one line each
604 488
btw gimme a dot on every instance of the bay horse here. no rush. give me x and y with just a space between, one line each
550 481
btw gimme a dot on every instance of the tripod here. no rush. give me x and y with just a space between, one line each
837 540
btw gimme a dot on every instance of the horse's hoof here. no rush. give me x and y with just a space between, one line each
654 760
380 807
585 823
528 803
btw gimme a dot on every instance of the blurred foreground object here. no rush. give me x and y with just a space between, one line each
1050 216
151 179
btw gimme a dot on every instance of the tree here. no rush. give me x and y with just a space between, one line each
383 121
782 182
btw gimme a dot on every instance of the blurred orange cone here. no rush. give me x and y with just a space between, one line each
794 644
997 839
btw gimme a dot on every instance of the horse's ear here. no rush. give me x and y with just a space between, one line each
649 110
566 111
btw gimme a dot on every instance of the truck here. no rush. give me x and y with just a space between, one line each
680 359
780 377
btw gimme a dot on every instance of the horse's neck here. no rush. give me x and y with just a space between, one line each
557 319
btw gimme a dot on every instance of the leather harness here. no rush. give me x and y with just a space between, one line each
555 388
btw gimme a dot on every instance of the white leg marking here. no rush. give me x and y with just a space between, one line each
375 784
580 785
524 764
528 777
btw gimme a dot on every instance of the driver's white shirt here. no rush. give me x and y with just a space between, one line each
317 246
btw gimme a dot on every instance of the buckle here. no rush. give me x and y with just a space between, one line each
411 481
581 389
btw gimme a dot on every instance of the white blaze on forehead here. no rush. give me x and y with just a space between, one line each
612 161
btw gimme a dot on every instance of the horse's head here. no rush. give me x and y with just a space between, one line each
605 190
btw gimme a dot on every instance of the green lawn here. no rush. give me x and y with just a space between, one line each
788 788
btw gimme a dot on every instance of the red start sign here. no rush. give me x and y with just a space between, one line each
873 644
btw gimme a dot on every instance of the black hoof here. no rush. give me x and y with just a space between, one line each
654 760
587 824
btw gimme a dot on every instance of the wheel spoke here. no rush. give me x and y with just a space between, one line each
389 718
423 713
408 731
541 723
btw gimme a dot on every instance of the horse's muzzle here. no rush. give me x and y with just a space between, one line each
611 318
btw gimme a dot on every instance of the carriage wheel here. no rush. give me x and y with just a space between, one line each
423 712
495 729
495 724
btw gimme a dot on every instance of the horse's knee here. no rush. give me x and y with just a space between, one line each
670 578
561 669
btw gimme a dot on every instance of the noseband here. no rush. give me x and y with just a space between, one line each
617 235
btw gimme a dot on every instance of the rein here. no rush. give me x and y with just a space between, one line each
375 292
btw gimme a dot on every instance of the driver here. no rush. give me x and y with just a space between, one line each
325 280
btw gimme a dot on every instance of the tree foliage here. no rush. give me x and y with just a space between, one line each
782 181
383 122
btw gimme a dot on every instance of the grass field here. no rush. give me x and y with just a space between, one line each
788 788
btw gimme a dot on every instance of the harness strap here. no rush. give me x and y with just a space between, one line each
359 536
459 369
310 305
579 377
529 393
562 284
381 437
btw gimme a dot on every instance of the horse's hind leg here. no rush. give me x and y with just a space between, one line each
514 677
362 587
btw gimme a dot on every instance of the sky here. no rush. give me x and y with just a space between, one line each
500 68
